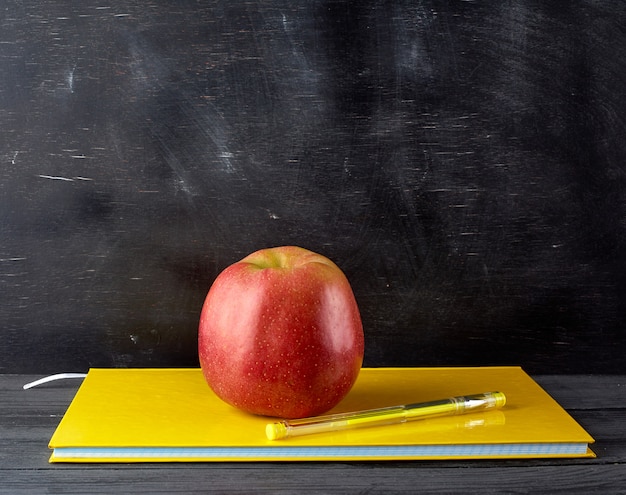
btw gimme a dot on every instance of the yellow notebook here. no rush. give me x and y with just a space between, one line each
148 415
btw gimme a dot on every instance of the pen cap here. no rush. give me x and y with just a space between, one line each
498 399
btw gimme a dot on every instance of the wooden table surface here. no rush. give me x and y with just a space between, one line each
29 417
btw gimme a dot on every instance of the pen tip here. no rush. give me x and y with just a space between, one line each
275 431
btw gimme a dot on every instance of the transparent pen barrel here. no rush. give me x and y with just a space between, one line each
333 422
386 415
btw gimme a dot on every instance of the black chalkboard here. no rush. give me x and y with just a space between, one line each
463 162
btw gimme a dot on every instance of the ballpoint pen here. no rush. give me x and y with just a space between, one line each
385 415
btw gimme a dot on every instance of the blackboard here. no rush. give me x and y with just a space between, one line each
463 162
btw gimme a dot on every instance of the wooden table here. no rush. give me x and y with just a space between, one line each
29 417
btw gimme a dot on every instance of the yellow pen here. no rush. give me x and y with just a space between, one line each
385 415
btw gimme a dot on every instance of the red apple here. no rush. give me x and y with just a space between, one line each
280 334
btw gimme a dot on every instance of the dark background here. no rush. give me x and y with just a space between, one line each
463 162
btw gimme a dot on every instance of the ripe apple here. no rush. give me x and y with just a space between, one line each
280 334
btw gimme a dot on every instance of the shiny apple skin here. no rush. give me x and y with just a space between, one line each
280 334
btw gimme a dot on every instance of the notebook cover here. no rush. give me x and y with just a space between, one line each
141 415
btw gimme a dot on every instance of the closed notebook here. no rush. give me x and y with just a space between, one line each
148 415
